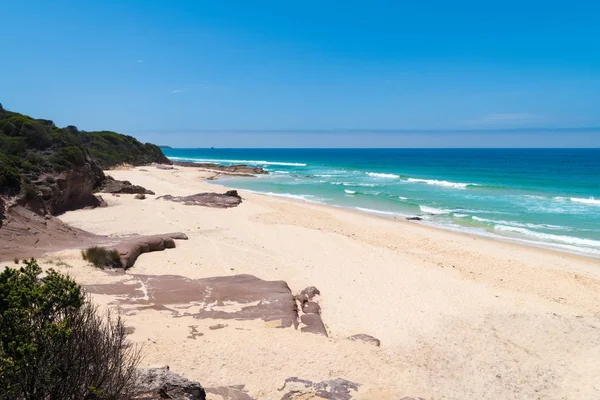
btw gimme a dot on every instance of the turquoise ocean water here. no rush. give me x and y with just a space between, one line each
543 197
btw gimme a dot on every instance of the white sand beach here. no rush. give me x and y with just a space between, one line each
458 316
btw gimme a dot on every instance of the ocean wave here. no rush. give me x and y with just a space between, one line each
403 198
349 191
355 184
435 211
519 224
461 215
370 210
304 197
590 201
379 175
550 237
455 185
249 162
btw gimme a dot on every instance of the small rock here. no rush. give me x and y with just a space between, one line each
218 326
366 339
140 196
414 218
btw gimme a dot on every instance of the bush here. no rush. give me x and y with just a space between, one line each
10 177
102 258
54 344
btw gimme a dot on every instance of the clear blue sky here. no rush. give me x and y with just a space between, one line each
176 71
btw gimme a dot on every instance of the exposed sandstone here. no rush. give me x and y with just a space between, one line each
256 299
161 383
239 169
335 389
130 248
111 185
229 199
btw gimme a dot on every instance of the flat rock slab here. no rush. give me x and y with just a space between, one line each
239 169
228 199
335 389
240 297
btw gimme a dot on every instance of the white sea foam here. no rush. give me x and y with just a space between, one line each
304 197
249 162
519 224
460 215
550 237
455 185
349 191
386 176
435 211
403 198
369 210
591 201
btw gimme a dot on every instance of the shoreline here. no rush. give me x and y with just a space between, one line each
452 312
402 219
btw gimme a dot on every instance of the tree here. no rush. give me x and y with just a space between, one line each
54 343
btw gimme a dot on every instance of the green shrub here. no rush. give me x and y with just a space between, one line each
10 177
54 344
102 258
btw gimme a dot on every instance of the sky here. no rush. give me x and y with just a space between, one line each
428 73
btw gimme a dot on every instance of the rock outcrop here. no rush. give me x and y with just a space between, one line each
161 383
26 234
229 199
310 318
130 248
335 389
239 169
111 185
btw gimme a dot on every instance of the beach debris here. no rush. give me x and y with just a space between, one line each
194 332
414 218
161 383
229 199
111 185
365 338
335 389
311 311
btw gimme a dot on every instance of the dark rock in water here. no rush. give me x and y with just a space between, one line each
111 185
161 383
228 199
365 338
140 196
272 300
414 218
335 389
131 247
230 392
240 169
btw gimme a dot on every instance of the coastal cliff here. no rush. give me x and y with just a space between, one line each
51 170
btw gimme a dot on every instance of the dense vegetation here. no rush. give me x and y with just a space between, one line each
30 148
54 344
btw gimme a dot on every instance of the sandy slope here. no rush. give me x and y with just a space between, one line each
458 316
